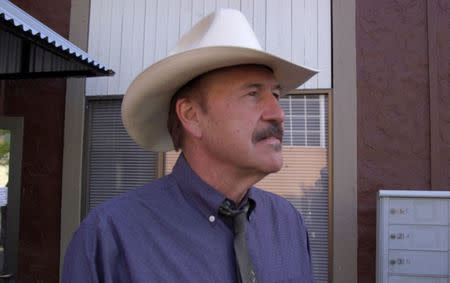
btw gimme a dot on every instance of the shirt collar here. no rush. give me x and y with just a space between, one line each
203 197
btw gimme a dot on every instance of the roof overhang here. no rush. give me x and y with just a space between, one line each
30 49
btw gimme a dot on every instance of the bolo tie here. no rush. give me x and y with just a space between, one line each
244 267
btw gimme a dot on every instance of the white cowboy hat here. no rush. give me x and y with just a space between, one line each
221 39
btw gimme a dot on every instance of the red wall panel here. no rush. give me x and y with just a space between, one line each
394 100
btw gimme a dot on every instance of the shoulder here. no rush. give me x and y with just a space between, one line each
132 203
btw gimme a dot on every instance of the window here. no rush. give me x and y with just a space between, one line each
115 164
303 180
306 120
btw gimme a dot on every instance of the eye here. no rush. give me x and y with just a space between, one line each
252 93
276 95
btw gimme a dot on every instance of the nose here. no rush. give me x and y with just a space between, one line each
272 110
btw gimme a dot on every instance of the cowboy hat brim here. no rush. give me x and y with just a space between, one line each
146 103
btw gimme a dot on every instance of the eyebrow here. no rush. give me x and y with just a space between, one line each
260 85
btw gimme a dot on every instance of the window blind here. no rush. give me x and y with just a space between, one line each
115 164
303 180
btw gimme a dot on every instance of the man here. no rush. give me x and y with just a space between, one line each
218 92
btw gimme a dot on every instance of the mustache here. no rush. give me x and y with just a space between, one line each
274 129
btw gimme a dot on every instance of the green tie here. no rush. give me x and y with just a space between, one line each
244 267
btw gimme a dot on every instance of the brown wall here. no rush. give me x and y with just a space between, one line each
402 117
42 104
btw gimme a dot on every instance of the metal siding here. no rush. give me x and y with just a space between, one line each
185 16
235 4
278 28
138 36
210 6
173 24
116 30
149 32
38 55
324 44
99 38
247 10
220 4
311 31
127 56
162 29
298 30
259 21
10 57
198 10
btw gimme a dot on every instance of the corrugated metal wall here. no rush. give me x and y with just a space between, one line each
12 60
129 35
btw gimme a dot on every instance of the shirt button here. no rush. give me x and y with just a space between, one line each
212 219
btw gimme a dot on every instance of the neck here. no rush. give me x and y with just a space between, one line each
232 182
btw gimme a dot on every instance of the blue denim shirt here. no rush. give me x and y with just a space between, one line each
169 231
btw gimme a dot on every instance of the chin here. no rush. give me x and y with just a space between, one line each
272 166
267 159
275 169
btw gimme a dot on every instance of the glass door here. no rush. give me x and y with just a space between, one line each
11 140
5 142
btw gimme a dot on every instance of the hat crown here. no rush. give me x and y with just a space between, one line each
224 27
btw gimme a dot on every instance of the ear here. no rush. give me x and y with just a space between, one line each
187 111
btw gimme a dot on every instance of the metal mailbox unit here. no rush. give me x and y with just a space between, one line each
413 236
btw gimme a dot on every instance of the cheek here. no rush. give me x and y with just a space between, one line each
242 132
233 120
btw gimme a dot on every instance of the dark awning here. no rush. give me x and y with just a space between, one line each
30 49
